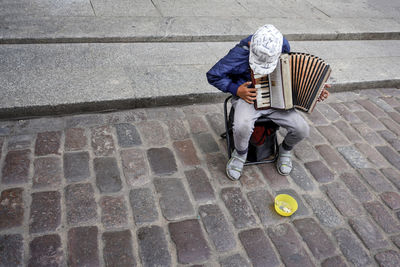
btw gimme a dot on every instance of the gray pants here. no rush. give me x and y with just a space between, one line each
246 115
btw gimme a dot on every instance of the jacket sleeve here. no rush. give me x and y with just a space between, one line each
219 74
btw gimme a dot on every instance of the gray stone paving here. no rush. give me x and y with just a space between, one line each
94 190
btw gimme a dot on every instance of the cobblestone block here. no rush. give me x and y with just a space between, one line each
217 227
16 142
391 199
84 120
153 246
80 203
393 175
263 204
345 112
389 258
317 118
368 232
216 164
143 205
174 201
351 248
395 116
371 107
47 172
162 161
315 137
16 167
217 122
335 137
127 135
164 113
348 131
391 125
302 209
118 249
258 248
235 260
396 240
206 142
390 155
325 213
335 261
76 166
197 125
274 179
75 139
391 138
327 111
113 211
354 157
381 104
190 244
11 208
108 179
376 180
45 212
305 151
353 106
134 167
368 134
316 239
186 152
83 247
335 161
102 141
11 250
372 155
47 143
200 185
289 246
382 217
301 178
153 133
356 187
46 251
251 178
177 130
238 207
343 200
320 172
391 100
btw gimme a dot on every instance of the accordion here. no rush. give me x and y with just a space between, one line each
296 82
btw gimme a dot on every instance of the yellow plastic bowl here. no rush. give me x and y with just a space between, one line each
285 205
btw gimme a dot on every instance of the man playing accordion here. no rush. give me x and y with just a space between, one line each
258 53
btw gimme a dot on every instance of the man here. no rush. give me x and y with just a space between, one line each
260 52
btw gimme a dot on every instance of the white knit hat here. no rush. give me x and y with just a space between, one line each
265 49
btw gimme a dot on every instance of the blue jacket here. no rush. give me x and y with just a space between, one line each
233 70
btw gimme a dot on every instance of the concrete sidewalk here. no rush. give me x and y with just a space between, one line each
43 79
147 187
64 57
48 21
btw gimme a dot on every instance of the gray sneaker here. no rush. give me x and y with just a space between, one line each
284 162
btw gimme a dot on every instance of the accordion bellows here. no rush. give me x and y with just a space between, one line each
296 82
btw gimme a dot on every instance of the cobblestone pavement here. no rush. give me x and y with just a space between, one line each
147 187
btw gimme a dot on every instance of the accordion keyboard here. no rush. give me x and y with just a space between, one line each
263 91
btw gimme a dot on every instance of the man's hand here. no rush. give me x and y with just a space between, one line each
324 94
246 93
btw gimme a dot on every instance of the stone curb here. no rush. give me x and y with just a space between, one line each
203 38
173 100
